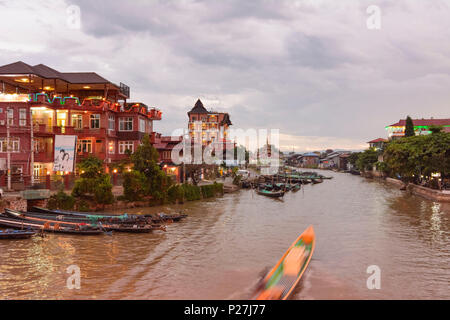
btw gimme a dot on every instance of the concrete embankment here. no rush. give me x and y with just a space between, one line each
430 194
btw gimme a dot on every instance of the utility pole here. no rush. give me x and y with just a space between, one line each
8 152
32 148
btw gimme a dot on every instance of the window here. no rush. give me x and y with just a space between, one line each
111 122
11 117
125 145
126 124
84 146
22 117
14 145
111 147
142 125
77 121
95 121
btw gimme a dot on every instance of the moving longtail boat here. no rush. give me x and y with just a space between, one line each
77 221
16 234
47 227
281 281
272 194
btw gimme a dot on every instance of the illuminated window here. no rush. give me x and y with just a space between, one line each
14 145
77 121
111 147
10 117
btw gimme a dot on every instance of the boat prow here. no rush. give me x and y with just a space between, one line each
282 279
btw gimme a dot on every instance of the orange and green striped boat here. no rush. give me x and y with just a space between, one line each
281 281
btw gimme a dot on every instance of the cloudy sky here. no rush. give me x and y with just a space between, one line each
311 68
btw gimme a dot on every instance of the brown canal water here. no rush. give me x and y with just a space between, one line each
219 250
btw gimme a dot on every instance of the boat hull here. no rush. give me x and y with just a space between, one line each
287 284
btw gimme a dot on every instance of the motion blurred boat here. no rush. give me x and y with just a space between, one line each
281 281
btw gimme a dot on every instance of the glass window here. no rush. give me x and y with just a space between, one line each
14 145
125 145
111 122
126 124
95 121
111 147
11 117
77 121
142 125
84 146
22 117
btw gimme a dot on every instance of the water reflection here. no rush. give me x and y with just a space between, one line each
219 250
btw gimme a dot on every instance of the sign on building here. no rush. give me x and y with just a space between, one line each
64 153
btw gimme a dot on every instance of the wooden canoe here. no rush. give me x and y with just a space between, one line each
272 194
55 227
75 222
16 234
282 279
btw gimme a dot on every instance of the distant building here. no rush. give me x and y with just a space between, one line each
310 159
207 127
378 144
335 160
421 126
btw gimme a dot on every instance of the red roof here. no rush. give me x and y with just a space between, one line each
378 140
423 122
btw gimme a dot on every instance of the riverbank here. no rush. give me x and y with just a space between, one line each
430 194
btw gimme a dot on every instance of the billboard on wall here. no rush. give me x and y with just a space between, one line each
64 153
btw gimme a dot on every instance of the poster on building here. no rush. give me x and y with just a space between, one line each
64 153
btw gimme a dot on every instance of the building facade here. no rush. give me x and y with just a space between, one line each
206 127
38 103
421 126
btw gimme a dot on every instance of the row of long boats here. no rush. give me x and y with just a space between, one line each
25 224
276 186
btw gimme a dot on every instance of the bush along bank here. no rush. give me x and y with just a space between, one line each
188 192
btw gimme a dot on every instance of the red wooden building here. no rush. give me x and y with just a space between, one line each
42 102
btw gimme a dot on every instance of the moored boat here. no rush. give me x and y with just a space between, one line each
79 221
47 227
16 234
282 279
272 194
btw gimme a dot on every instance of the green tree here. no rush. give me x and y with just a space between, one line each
367 159
93 182
145 160
353 158
417 156
409 127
